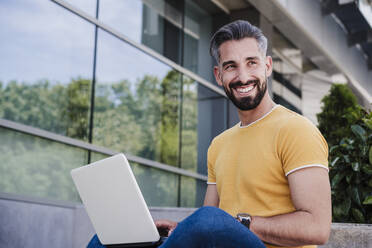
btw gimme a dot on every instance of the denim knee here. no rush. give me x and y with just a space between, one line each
209 211
95 243
205 219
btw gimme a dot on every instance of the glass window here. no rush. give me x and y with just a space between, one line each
38 167
192 192
204 115
179 30
233 117
154 23
88 6
123 16
136 103
189 138
159 188
95 156
46 66
212 121
197 34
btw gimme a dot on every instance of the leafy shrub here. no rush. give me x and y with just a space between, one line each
350 138
340 110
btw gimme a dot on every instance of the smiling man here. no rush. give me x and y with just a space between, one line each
268 182
247 84
269 172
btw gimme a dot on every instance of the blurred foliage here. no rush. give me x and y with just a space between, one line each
140 118
339 111
77 109
349 136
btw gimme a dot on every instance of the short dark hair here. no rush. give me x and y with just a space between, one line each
235 31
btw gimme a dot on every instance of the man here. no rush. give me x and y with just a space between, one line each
269 172
273 165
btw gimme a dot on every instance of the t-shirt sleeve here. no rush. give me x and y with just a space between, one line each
210 162
301 145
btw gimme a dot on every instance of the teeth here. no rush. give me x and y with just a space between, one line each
245 90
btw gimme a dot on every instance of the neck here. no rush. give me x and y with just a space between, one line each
248 116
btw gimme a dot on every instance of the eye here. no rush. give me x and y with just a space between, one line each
251 62
229 67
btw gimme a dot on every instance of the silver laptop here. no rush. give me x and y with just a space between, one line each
115 204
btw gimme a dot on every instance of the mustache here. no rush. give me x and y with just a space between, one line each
239 83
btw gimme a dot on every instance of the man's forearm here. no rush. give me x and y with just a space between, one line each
293 229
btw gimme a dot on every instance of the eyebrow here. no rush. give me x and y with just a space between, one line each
233 62
227 63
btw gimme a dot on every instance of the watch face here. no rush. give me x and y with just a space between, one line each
245 219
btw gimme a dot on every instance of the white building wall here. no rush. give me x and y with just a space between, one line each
321 39
332 41
313 90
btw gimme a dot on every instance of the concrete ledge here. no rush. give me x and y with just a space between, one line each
37 223
31 222
84 230
344 235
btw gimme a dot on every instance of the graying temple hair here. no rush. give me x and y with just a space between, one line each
235 31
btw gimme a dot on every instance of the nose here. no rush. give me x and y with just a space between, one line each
244 74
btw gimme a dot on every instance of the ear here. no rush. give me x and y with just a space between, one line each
217 75
269 65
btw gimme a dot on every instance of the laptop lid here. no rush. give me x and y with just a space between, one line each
114 202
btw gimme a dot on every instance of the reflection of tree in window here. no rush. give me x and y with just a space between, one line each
57 108
78 102
140 118
169 118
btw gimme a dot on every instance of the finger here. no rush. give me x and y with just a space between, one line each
171 229
162 226
160 222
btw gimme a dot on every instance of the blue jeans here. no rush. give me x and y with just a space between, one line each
208 227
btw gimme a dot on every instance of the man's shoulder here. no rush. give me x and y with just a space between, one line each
292 121
222 137
299 128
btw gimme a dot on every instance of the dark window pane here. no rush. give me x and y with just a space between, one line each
197 34
212 109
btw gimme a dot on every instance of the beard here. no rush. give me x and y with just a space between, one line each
248 102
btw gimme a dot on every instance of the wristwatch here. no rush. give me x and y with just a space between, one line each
245 219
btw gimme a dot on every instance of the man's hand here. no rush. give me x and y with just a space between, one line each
165 227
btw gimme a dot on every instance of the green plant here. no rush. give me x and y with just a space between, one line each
351 173
347 128
340 110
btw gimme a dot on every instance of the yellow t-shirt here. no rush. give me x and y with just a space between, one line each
250 164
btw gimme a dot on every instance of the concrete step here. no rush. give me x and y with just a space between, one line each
27 222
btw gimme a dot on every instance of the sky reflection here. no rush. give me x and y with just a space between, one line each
41 40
